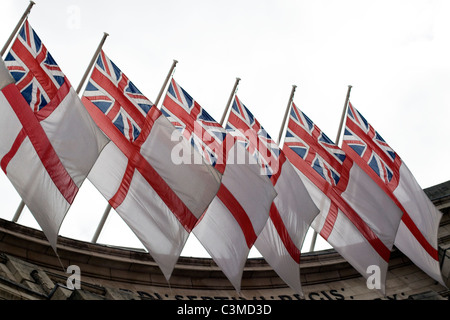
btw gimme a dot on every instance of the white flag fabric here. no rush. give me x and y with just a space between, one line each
233 221
357 218
418 231
291 212
139 172
291 215
229 227
5 76
48 143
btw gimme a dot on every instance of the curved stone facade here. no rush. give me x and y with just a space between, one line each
30 270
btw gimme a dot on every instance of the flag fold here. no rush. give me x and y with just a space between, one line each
357 218
49 142
234 219
292 210
418 231
139 173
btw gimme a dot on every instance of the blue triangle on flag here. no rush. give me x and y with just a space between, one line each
300 151
374 165
340 156
100 63
359 149
102 105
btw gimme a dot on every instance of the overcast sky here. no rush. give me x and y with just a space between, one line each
395 54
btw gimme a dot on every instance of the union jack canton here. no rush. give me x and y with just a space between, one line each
362 138
110 90
246 128
36 73
372 153
205 134
328 168
313 146
41 83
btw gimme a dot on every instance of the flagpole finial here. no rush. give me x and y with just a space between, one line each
166 81
344 111
236 84
91 63
227 107
288 109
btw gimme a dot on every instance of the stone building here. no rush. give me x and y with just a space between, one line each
30 270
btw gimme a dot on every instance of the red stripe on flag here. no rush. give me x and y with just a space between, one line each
35 69
122 191
54 103
38 138
238 213
189 120
105 63
238 104
281 160
406 218
395 165
254 140
16 68
387 189
122 101
12 152
192 126
223 152
279 225
329 221
314 145
130 130
131 151
335 197
177 92
27 33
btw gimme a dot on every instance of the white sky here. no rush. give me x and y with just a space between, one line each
395 54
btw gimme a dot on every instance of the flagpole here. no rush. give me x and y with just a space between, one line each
168 77
108 207
80 85
2 52
18 211
288 109
233 92
22 203
19 24
101 224
344 111
94 57
341 123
